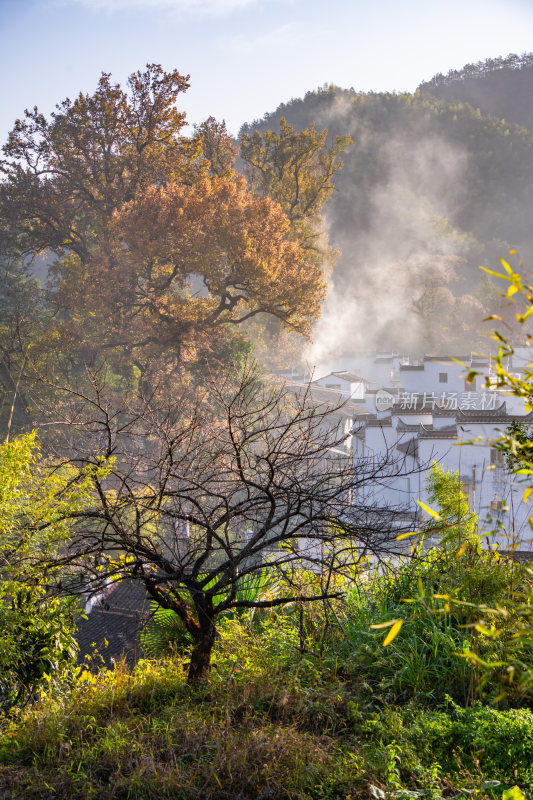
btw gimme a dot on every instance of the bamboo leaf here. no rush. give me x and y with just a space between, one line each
429 511
497 274
379 625
393 633
506 266
528 313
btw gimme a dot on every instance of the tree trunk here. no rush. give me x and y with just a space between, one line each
201 652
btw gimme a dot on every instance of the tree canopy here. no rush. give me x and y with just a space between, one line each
160 249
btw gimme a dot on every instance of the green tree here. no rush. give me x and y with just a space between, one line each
36 502
455 524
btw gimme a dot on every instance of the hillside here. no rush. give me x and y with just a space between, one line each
431 190
499 87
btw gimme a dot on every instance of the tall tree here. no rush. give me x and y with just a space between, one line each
296 168
181 262
199 503
160 246
217 147
67 175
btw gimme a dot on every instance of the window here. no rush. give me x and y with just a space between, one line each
467 490
497 457
443 377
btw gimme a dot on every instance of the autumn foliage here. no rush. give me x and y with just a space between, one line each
185 260
162 249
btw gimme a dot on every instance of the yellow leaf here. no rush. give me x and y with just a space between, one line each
405 535
393 633
429 511
527 493
497 274
380 625
514 793
511 290
506 266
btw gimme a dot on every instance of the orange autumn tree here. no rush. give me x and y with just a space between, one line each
182 263
162 253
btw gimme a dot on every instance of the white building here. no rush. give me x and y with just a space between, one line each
425 411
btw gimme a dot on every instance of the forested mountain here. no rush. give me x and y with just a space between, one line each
500 87
431 189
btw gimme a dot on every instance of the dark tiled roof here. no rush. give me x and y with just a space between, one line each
499 415
428 432
443 429
447 359
411 367
374 422
410 448
114 623
452 412
347 376
404 426
322 395
420 408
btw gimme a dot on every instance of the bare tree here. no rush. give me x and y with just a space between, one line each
202 497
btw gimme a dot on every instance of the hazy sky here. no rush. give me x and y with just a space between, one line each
246 56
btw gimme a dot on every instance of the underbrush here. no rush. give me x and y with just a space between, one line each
270 723
440 646
302 703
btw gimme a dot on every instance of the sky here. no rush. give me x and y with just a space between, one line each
245 57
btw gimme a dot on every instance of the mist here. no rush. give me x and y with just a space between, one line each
430 191
380 270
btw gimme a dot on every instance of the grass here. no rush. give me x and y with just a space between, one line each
260 728
301 704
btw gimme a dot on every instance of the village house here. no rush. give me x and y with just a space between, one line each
425 410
